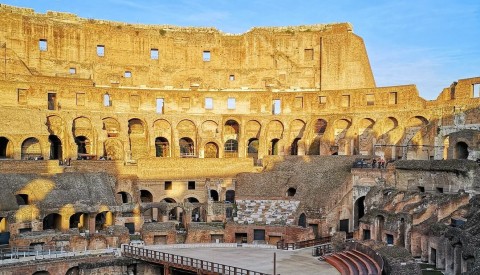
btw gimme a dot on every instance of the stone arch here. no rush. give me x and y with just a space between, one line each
230 196
124 197
274 130
82 126
79 220
111 127
113 149
461 150
177 213
231 148
162 127
302 220
6 148
137 134
196 215
55 125
416 121
73 271
359 210
274 147
297 132
187 147
318 130
52 221
146 197
252 129
31 148
168 200
103 220
365 136
186 128
209 129
162 147
341 126
252 148
211 150
191 199
231 130
55 147
43 272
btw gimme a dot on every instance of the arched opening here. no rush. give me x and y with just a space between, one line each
192 200
252 149
146 197
291 192
273 150
230 196
73 271
196 214
187 147
231 149
211 150
83 146
214 195
31 149
379 223
5 148
22 199
461 150
176 214
168 200
79 220
41 273
302 220
294 147
103 220
124 197
52 221
318 130
162 147
55 147
359 210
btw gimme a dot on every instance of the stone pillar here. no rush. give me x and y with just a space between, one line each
424 249
457 259
440 254
448 258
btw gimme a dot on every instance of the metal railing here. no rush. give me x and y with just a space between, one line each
184 262
303 244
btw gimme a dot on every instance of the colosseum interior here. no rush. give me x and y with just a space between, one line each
113 133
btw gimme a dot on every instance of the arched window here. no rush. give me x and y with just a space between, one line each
162 148
187 147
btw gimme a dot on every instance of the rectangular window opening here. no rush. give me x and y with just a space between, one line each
345 100
389 239
370 99
191 185
42 45
52 101
392 99
168 185
80 99
308 54
22 96
298 104
185 103
127 74
72 70
366 234
476 90
100 50
322 100
439 189
276 106
160 106
421 189
107 101
231 103
206 56
154 54
231 77
208 103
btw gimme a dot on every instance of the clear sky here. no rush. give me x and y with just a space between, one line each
430 43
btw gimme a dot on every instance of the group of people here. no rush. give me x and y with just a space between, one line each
380 163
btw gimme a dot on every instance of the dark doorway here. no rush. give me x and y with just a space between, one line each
461 150
55 147
314 227
389 239
302 220
294 147
131 227
230 196
52 221
366 234
252 150
241 237
291 192
433 256
274 147
4 142
82 143
344 225
359 210
259 235
214 195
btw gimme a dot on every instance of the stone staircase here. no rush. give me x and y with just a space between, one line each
269 212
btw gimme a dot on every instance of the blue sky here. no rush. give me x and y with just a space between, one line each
430 43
